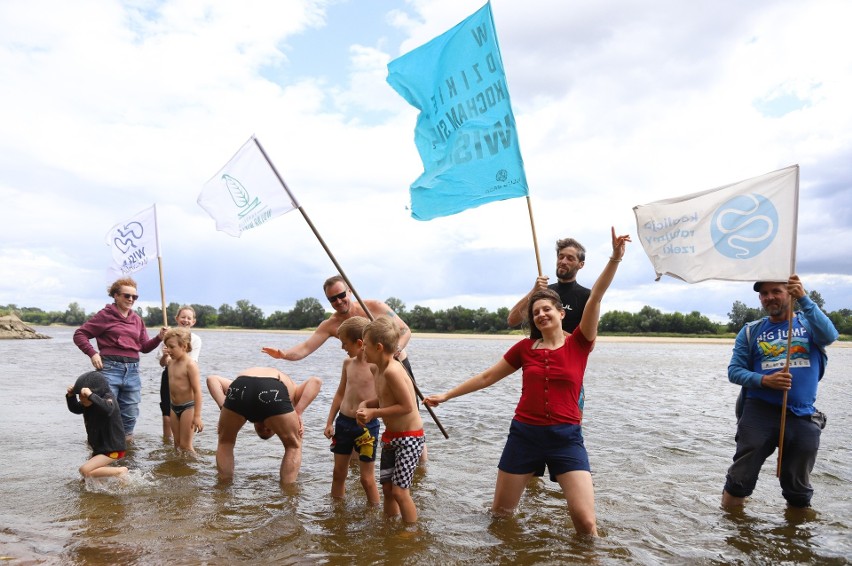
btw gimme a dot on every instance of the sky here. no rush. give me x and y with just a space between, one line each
111 106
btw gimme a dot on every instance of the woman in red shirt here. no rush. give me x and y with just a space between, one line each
546 429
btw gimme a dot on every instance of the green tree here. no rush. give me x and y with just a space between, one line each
227 316
617 321
153 317
842 320
74 315
696 323
205 316
649 319
278 320
420 318
740 314
307 313
248 315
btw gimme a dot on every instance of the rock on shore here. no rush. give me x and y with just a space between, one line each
12 327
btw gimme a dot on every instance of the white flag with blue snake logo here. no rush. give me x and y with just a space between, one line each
744 231
134 242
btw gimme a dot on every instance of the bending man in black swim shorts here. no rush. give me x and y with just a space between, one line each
263 396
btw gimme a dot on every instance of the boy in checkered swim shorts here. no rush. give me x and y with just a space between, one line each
396 405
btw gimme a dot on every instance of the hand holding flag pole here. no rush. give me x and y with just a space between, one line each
784 398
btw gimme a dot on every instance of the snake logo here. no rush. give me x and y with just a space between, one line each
128 235
744 226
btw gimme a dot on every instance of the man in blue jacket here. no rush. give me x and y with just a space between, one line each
758 362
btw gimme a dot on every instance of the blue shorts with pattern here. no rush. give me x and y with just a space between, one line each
349 436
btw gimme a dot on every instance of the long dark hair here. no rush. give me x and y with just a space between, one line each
546 294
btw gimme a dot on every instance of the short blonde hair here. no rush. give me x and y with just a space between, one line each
352 328
383 331
183 336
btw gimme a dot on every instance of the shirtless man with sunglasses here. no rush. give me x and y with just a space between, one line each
345 306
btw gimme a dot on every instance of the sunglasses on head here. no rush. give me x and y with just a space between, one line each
128 296
337 297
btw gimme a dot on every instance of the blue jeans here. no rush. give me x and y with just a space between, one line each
757 439
126 385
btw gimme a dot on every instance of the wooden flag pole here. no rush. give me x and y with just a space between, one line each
162 291
784 399
535 239
343 275
160 267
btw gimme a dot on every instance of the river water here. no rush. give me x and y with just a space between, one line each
658 425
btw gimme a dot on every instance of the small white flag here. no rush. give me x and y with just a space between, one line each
245 193
134 242
744 231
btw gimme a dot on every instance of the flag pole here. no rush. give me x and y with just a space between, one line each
535 239
162 291
784 398
789 329
160 267
342 274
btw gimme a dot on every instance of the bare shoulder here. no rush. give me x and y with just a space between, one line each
396 371
379 308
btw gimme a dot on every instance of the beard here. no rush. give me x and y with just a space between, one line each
566 274
775 309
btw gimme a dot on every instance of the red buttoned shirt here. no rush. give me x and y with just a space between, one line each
552 386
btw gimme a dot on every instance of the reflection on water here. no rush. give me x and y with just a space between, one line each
658 426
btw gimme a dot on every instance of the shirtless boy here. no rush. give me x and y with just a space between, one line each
357 384
395 403
184 388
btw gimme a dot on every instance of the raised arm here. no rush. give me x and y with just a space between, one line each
592 312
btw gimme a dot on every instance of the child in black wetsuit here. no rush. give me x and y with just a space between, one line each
104 429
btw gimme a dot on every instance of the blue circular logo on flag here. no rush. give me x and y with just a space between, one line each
744 226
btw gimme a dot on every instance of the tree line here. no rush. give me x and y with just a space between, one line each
309 312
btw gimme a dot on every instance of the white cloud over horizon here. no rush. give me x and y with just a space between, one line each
112 106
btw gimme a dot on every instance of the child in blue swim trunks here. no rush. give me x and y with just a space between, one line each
357 384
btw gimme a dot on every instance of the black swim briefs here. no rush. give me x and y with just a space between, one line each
258 398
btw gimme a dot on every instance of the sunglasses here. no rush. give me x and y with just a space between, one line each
338 297
128 296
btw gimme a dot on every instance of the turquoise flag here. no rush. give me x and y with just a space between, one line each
465 132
